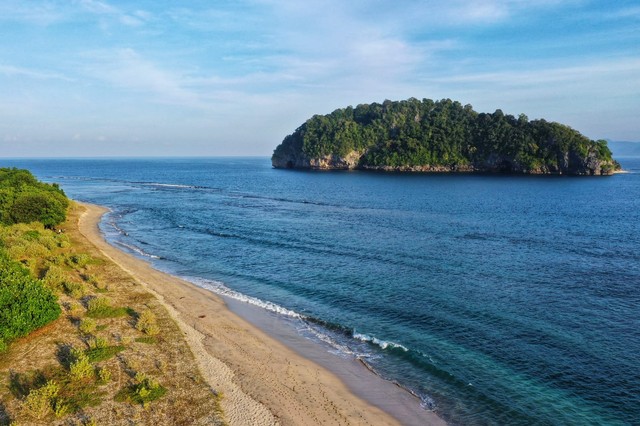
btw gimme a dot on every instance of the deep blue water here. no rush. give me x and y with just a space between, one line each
498 299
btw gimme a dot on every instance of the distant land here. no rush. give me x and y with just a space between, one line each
624 148
440 136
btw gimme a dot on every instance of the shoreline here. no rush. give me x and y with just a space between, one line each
266 378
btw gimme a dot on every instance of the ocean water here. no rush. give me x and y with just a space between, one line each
497 299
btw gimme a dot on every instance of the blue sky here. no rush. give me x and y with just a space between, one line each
104 78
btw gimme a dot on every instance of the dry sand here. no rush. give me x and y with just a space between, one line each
263 381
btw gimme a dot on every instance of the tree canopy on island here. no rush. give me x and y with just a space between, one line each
413 133
24 199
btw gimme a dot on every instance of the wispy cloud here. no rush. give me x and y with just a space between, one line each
106 10
37 14
13 71
126 68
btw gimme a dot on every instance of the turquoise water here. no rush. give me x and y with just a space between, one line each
497 299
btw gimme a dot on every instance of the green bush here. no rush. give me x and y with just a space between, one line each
23 199
145 390
81 367
55 277
75 289
88 325
147 323
40 402
25 304
104 375
79 260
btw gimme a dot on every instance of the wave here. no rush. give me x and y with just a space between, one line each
336 336
167 185
136 250
219 288
332 334
119 230
383 344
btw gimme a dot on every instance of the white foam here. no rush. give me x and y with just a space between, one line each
339 349
170 185
219 288
381 343
136 250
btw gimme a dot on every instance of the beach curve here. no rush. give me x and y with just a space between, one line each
263 381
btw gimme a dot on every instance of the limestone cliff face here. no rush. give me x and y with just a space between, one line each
293 160
569 163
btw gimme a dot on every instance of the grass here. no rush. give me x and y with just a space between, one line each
100 307
147 339
108 357
104 353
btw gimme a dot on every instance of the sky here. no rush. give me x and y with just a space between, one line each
95 78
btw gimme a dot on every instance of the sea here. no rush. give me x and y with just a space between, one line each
496 299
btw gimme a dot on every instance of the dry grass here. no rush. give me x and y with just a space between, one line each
124 352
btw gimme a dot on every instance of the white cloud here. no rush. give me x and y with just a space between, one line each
12 71
37 14
107 11
126 68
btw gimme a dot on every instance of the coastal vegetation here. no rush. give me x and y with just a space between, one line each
80 341
440 136
24 199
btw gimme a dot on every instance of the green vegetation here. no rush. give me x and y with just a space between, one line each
441 136
23 199
71 371
100 307
103 353
143 391
147 323
25 303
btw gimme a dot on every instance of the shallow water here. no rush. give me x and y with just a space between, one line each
497 299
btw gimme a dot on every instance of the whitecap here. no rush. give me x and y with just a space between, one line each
384 344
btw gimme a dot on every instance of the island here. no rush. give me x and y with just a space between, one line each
440 136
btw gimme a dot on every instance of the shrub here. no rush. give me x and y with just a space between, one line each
145 390
74 289
23 199
147 323
81 367
88 325
40 402
74 307
35 206
97 343
104 375
79 260
25 304
61 409
55 277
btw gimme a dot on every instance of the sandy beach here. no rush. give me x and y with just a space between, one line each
263 381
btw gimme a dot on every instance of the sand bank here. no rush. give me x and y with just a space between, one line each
264 382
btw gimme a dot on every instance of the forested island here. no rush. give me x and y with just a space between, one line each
440 136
